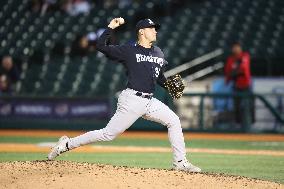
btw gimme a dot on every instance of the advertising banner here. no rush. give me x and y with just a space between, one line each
50 108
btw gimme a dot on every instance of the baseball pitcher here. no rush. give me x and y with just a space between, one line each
144 63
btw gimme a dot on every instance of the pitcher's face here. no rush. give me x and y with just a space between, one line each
150 34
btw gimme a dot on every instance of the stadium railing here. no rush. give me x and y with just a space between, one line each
209 117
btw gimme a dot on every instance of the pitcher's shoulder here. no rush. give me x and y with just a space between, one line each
158 50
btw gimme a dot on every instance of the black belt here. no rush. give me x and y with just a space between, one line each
149 96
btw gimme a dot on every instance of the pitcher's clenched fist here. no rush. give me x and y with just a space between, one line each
114 23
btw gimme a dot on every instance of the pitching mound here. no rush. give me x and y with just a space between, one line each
63 174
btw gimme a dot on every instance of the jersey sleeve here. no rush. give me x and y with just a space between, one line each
114 52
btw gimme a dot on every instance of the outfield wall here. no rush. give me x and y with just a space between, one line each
68 113
197 112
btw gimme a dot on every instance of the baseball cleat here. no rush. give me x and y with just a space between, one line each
60 147
184 165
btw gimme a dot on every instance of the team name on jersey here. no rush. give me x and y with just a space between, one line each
144 58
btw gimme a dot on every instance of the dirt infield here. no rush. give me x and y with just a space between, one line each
71 175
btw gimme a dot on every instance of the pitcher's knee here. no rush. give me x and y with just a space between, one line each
174 122
108 135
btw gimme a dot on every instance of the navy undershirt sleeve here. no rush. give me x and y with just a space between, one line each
161 80
114 52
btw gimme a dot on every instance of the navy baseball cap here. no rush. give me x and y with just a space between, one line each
146 23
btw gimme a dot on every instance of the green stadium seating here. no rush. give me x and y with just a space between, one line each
195 29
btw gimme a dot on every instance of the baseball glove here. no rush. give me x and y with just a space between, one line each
175 86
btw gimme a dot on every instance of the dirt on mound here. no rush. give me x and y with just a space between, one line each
64 174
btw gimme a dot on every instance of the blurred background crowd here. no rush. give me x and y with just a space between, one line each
48 48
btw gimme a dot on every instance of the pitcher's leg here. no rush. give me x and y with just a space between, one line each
117 125
129 109
159 112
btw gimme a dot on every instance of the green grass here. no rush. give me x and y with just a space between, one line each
263 167
255 166
217 144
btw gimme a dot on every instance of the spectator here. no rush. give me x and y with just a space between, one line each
76 7
237 71
43 6
81 7
48 5
65 6
35 5
5 87
80 47
9 69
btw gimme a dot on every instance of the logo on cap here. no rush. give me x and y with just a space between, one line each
150 21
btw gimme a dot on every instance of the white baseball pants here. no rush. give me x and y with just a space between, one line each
129 108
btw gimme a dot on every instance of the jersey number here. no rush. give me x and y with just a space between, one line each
157 72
